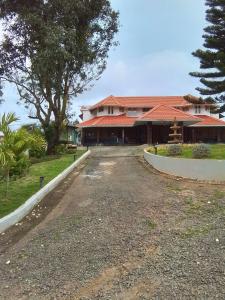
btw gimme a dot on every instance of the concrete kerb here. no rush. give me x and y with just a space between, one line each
210 170
18 214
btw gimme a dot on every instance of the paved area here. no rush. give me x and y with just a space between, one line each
116 229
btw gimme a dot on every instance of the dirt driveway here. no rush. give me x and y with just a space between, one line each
119 231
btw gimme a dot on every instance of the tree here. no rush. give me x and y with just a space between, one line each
213 57
13 147
52 51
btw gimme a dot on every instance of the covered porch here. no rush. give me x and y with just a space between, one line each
114 135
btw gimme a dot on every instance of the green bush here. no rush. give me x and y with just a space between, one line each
71 151
201 151
174 150
21 165
60 149
35 160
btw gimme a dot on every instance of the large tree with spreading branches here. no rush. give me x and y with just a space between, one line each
212 58
53 50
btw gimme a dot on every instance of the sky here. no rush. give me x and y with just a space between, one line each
156 39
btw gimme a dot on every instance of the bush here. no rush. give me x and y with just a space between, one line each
60 149
37 153
71 151
201 151
21 165
174 150
35 160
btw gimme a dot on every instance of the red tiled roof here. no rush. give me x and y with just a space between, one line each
109 121
208 121
167 113
144 101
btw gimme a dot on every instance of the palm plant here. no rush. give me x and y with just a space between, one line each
7 156
14 147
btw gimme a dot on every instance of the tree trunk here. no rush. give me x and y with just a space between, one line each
53 138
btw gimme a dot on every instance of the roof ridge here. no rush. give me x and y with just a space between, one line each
149 97
185 113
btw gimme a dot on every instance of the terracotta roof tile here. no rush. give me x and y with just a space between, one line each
167 113
109 121
208 121
144 101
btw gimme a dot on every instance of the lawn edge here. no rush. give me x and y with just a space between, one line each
18 214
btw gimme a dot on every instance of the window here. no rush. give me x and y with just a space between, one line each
132 109
197 109
145 109
101 109
110 110
121 109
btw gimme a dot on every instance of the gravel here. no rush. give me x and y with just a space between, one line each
119 230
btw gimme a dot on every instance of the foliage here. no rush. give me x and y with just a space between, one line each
60 149
174 150
53 51
24 187
213 58
217 151
35 160
14 147
201 151
71 151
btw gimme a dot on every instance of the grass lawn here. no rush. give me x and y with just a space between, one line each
217 151
23 188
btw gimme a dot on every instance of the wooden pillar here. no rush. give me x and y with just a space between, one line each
218 135
98 135
149 133
182 132
193 135
123 135
82 136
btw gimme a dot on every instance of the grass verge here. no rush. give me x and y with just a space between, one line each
23 188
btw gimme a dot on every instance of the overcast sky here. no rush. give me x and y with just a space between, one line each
154 57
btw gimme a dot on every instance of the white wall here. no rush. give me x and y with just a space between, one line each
86 114
116 112
200 169
203 111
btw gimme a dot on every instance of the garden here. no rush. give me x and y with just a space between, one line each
23 161
198 151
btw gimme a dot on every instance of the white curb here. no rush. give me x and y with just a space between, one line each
212 170
24 209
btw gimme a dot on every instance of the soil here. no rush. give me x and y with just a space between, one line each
117 229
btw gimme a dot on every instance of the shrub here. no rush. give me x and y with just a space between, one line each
35 160
60 149
174 150
71 151
37 153
201 151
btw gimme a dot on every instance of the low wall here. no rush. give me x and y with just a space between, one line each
200 169
18 214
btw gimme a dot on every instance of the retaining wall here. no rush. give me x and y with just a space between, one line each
200 169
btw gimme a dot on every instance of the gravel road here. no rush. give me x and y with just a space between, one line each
117 229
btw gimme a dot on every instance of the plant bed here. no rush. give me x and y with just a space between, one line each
23 188
217 151
203 169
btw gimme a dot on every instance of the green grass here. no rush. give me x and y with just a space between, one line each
23 188
151 224
196 231
217 151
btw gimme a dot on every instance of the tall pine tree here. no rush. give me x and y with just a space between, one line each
212 58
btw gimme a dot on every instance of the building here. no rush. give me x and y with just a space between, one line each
141 120
70 135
